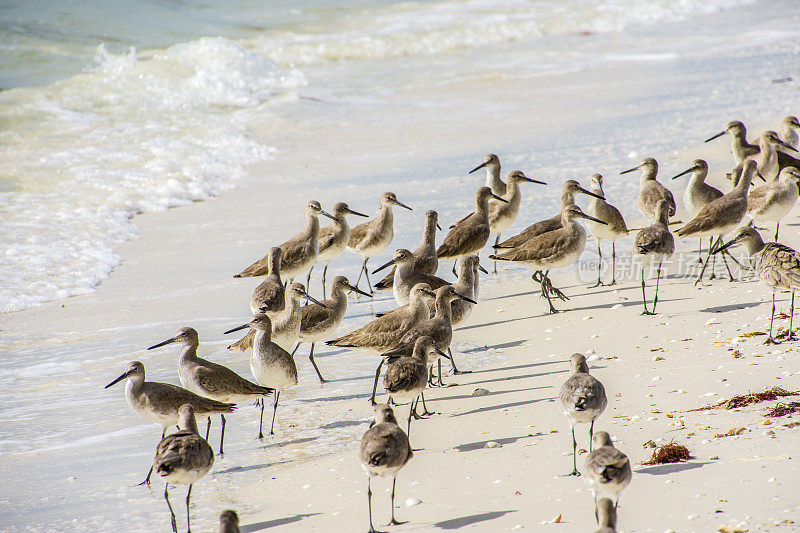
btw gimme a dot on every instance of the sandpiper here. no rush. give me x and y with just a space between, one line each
228 522
740 148
406 276
789 135
698 194
607 469
773 200
333 239
492 165
425 259
268 296
655 243
650 189
613 229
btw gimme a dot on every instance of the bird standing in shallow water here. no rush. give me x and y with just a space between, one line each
333 240
182 458
425 259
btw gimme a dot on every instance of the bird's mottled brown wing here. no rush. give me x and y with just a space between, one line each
314 314
532 231
539 248
293 251
402 375
220 380
326 237
385 330
174 396
655 239
757 198
780 266
269 295
708 218
386 445
182 450
468 236
259 268
358 233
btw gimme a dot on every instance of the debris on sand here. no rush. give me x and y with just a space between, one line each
783 409
672 452
743 400
731 432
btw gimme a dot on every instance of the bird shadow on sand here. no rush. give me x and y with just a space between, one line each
457 523
345 423
520 376
509 344
472 446
503 406
730 307
334 398
627 303
260 526
517 367
495 323
237 469
281 444
660 470
492 393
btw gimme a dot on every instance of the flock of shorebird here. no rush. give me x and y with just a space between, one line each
415 336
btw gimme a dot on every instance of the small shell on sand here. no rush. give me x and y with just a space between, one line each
492 444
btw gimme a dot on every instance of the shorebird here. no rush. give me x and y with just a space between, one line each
406 276
740 148
298 253
228 522
385 449
503 214
425 259
209 379
268 296
286 324
407 376
650 190
698 194
271 365
469 235
721 216
789 135
773 201
320 321
655 243
439 328
333 239
770 160
606 516
467 285
492 165
777 266
182 458
160 402
373 237
385 332
608 470
613 229
583 399
555 249
568 192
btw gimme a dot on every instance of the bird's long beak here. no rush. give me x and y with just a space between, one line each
395 351
470 300
760 176
438 227
718 135
629 170
724 246
478 168
312 299
350 211
401 204
587 217
482 269
323 212
237 328
390 263
687 171
440 352
534 181
590 193
500 198
163 343
429 293
123 376
786 145
359 291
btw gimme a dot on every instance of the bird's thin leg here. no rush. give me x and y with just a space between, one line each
311 358
261 422
366 276
777 228
455 262
546 293
188 519
453 363
208 427
296 346
658 278
394 520
171 512
591 435
222 436
713 258
150 472
375 385
771 340
425 412
440 382
574 453
730 276
369 503
274 410
431 382
324 274
791 336
703 270
599 264
613 264
360 273
497 241
644 297
732 258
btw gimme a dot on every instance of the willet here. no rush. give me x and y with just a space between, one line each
320 321
467 285
656 244
439 328
385 332
333 239
469 235
373 237
650 189
721 216
740 148
613 229
209 379
606 516
568 192
608 470
385 449
698 194
406 276
271 365
773 201
425 259
182 458
583 399
268 296
160 402
777 266
503 214
228 522
492 165
555 249
407 376
298 253
286 324
789 135
770 160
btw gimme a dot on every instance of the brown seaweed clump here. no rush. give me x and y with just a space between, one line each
783 409
744 400
672 452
